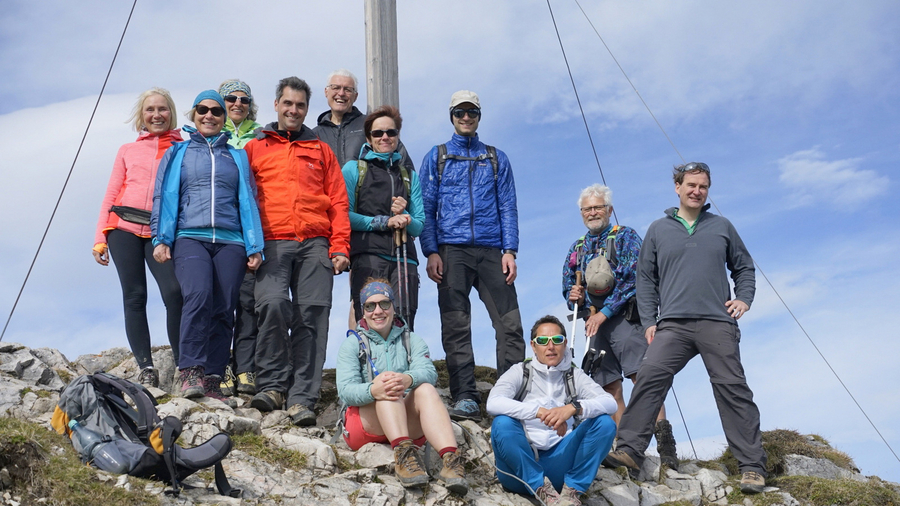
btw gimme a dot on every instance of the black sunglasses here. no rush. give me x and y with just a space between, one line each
694 166
235 98
216 111
385 304
391 132
458 113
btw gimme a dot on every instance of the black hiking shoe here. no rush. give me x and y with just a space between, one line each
665 444
149 377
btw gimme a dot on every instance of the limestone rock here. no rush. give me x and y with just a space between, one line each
800 465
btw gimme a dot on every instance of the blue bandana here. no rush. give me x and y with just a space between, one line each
375 288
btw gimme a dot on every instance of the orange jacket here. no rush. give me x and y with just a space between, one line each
302 193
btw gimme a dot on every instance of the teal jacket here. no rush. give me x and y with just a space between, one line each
241 134
388 355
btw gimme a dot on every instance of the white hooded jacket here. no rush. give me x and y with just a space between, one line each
548 390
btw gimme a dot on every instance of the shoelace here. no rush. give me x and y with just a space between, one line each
408 459
455 464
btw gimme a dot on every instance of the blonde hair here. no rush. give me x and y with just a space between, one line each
137 114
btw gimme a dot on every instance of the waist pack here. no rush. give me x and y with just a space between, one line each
135 440
132 214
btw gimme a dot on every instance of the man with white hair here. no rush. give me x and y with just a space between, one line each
341 126
607 257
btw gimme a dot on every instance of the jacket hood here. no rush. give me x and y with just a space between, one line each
325 117
368 154
363 327
221 137
175 134
670 212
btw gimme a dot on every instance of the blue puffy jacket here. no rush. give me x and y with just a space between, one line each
209 190
468 206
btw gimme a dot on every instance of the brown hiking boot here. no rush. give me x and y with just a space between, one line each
453 474
619 458
267 400
407 466
752 483
547 494
665 444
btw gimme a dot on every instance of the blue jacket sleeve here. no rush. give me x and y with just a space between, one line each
352 387
251 225
430 189
162 227
506 192
414 207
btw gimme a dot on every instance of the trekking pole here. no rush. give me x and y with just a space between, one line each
405 279
587 340
575 317
398 242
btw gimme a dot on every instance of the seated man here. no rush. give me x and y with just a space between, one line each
559 411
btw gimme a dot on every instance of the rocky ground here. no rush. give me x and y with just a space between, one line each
31 379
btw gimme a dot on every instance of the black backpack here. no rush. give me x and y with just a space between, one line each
135 440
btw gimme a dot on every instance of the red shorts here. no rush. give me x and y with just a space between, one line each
356 436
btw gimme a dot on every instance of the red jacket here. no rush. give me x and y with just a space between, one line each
301 190
131 182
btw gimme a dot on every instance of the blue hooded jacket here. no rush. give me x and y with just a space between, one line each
468 206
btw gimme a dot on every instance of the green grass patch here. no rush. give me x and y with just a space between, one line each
64 375
42 394
58 478
822 492
261 448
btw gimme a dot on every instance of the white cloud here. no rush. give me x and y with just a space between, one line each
816 179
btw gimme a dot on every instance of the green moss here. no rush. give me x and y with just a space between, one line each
64 375
42 394
57 477
822 492
261 448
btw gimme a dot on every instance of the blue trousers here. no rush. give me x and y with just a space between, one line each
573 461
210 278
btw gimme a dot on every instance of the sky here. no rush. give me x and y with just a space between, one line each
794 106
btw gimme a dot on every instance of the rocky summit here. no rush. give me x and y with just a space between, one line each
291 465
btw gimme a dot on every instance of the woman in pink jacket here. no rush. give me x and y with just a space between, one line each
123 229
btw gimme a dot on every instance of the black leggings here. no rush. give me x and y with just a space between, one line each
129 253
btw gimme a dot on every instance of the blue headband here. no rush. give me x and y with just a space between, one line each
374 288
209 95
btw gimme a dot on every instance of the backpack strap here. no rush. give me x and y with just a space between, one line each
443 156
571 393
363 167
610 251
143 414
526 380
171 429
441 161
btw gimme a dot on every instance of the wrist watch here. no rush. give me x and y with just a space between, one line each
510 252
577 406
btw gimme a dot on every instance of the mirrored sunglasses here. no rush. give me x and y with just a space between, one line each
545 340
473 112
694 166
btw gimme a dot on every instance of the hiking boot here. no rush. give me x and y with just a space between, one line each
227 385
407 465
149 377
246 383
465 409
301 416
453 474
619 458
212 385
267 401
665 444
752 483
569 496
547 494
192 382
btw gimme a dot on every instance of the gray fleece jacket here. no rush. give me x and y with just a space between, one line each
683 275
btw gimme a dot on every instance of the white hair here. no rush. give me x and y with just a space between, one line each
344 73
596 190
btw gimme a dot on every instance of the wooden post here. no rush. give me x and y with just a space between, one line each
382 73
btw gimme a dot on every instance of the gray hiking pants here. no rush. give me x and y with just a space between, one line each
465 267
677 341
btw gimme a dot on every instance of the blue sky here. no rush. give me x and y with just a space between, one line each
793 105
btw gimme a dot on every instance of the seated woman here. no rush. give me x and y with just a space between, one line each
206 220
399 404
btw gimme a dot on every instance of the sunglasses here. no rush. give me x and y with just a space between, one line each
459 113
391 132
235 98
545 340
694 166
216 111
369 307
